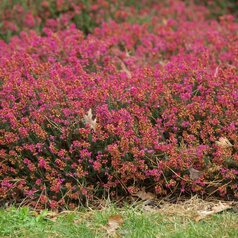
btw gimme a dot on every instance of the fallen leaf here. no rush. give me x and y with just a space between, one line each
52 216
124 69
216 71
149 208
223 142
127 53
194 174
114 222
88 119
144 195
164 21
216 209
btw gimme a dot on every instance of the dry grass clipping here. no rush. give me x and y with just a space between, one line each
194 208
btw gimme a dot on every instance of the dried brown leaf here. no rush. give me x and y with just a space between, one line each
114 222
52 216
88 119
144 195
216 72
124 69
223 142
194 174
216 209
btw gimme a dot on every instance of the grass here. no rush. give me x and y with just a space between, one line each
138 223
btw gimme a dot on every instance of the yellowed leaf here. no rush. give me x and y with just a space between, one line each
194 173
164 21
216 209
124 69
216 71
144 195
114 222
223 142
52 215
88 119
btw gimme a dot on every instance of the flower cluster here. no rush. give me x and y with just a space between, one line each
22 15
129 106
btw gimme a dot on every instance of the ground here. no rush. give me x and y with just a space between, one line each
170 220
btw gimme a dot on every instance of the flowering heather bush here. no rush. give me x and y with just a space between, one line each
18 15
129 106
25 15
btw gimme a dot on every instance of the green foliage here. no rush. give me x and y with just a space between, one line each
23 222
220 7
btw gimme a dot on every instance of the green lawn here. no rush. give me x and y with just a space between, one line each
138 223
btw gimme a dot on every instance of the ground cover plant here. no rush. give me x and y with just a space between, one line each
144 103
25 15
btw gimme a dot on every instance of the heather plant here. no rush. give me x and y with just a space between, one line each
128 106
25 15
220 7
